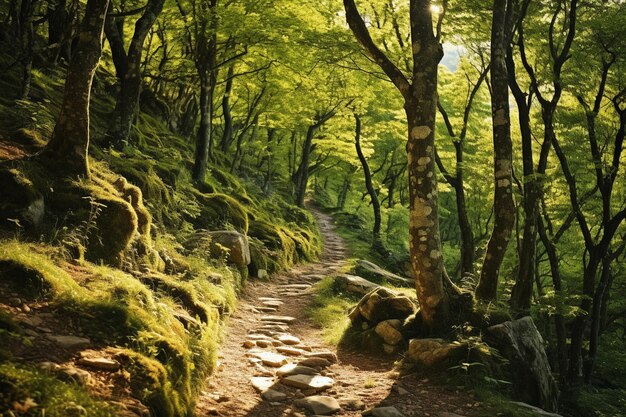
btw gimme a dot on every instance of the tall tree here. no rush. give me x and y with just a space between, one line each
504 206
69 144
128 67
377 243
420 104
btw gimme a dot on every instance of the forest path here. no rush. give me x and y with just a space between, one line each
356 380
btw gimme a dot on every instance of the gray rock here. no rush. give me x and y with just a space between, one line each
293 369
262 383
328 355
370 270
101 364
354 284
388 330
278 319
288 339
235 242
20 199
520 342
382 304
308 382
384 412
535 410
69 341
290 350
316 362
273 395
274 360
319 404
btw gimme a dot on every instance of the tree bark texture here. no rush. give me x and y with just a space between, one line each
70 139
504 207
129 73
420 105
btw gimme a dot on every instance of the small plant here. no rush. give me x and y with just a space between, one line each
78 237
369 382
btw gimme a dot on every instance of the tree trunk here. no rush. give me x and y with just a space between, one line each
57 27
420 105
504 207
559 320
70 139
341 198
468 248
130 79
205 130
302 173
377 243
27 34
227 136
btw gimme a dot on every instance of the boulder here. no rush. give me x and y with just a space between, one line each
235 243
389 330
354 284
436 354
20 199
382 304
374 272
520 342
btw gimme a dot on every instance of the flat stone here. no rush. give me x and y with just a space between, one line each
296 286
319 404
69 341
384 412
353 404
258 336
272 359
303 347
102 364
249 344
265 309
289 339
273 303
273 395
293 369
291 294
262 383
305 382
274 328
291 351
316 362
278 319
535 410
328 355
32 321
268 299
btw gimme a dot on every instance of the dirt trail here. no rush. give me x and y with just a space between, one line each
359 381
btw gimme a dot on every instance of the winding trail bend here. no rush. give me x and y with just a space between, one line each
361 381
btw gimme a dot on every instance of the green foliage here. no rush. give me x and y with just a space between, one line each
329 310
29 391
